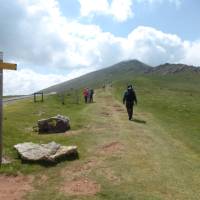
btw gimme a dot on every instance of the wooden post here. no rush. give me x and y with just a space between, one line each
72 95
63 98
77 96
2 67
34 97
1 109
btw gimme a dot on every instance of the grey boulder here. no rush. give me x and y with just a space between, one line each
57 124
44 152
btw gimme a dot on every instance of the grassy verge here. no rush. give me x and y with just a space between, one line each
19 119
129 160
174 101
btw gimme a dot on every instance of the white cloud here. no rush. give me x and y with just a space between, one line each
90 6
192 53
153 46
36 35
27 81
120 10
176 2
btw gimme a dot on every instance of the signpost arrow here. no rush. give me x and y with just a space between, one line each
3 66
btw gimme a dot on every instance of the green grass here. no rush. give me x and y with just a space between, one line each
160 159
19 119
152 165
174 101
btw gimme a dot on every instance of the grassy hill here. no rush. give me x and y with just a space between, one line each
171 92
96 79
154 157
174 101
125 70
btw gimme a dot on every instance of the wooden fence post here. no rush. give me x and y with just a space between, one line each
3 66
1 109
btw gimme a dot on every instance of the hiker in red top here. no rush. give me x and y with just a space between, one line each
85 94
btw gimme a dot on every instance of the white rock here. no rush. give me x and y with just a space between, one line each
44 152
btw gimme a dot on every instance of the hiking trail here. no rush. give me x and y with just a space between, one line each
124 160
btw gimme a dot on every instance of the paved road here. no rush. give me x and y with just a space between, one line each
13 99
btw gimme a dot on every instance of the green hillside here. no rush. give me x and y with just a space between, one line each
173 100
153 157
125 70
171 92
98 78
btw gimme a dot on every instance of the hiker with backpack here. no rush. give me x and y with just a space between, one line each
130 99
91 93
86 94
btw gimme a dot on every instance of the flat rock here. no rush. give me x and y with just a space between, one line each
44 152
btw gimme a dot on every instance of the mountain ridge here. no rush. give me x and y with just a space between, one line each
120 71
170 68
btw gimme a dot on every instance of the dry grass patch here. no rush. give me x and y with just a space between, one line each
75 132
110 148
15 187
116 106
120 110
105 114
43 179
81 186
80 169
109 174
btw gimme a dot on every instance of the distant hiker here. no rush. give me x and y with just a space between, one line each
130 99
91 93
85 94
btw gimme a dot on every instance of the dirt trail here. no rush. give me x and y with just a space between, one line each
125 160
15 187
138 154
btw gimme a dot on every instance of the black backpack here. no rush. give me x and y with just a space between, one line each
130 95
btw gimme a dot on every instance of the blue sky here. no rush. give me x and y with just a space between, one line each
182 20
56 40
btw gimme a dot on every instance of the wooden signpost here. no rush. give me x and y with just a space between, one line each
3 66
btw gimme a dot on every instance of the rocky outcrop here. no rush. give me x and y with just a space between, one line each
44 152
167 68
57 124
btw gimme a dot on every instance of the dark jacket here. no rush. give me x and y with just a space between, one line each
130 96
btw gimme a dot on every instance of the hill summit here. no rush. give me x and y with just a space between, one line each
117 71
125 70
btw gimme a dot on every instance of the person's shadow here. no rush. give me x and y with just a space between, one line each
139 121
